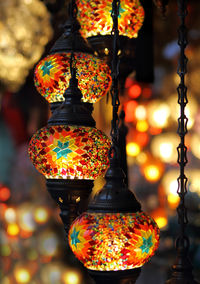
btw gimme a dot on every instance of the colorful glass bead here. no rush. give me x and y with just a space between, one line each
113 241
52 75
95 19
70 152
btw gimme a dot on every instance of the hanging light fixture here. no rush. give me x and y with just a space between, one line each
95 17
114 238
52 74
182 269
96 25
70 151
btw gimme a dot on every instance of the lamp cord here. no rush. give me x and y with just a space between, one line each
182 240
114 152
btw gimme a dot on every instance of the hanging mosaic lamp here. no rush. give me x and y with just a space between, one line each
114 238
52 74
95 17
70 152
96 25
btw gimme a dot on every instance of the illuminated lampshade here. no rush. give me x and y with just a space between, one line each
95 17
69 152
52 76
113 241
114 237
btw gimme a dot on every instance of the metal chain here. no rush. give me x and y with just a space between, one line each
115 74
73 14
182 240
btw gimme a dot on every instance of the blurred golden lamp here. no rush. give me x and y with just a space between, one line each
21 45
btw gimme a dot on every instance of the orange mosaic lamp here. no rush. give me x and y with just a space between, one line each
114 238
52 75
69 152
113 241
95 18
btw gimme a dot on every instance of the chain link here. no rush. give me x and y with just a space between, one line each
115 74
73 15
182 125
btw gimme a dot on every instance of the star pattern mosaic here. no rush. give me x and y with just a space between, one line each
113 241
52 75
70 152
95 19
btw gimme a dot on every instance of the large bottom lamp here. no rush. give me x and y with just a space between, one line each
114 238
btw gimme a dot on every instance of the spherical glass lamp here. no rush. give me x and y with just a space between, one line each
113 241
96 25
69 152
95 17
114 238
52 75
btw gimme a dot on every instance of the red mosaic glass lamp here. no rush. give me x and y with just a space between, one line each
95 17
96 23
52 73
114 238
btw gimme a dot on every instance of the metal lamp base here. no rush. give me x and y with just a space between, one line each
115 277
71 196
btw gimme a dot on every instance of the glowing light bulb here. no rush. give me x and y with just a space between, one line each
133 149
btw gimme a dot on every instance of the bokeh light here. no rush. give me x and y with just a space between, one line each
142 126
134 91
130 110
41 215
140 112
71 277
158 114
22 275
4 193
164 147
10 215
133 149
13 229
